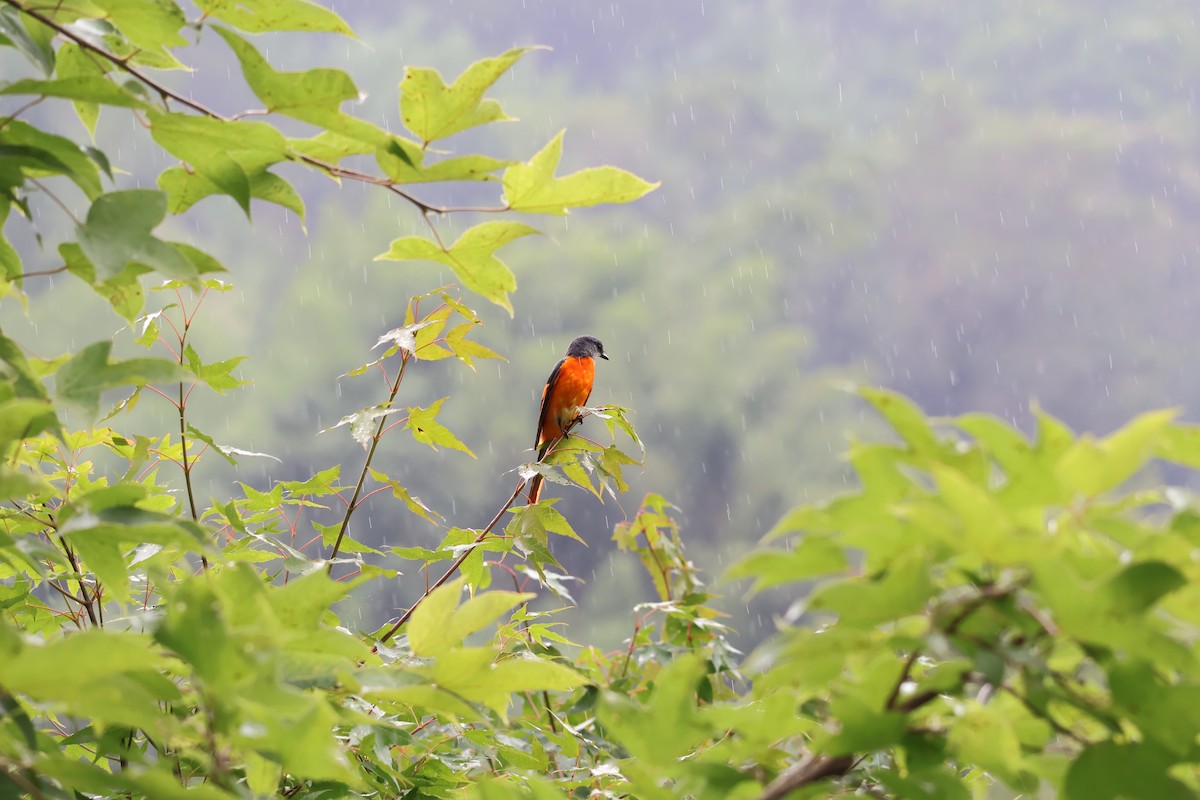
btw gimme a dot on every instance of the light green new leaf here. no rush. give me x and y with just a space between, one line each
330 147
151 25
429 623
314 96
410 168
432 110
814 556
465 349
427 430
439 624
471 257
903 589
262 16
217 376
24 418
1093 467
532 187
1180 444
413 502
296 94
73 62
39 670
534 674
90 372
118 231
904 416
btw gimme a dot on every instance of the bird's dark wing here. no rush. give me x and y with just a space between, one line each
547 392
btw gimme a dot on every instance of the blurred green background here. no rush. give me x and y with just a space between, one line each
978 204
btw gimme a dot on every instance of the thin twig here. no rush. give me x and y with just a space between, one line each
57 200
87 602
4 122
40 272
453 567
362 475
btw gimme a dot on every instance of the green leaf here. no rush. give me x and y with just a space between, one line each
527 674
1029 479
40 671
149 26
315 97
471 257
211 146
1164 712
217 376
412 502
1180 444
814 556
185 188
18 370
1138 587
902 589
427 430
405 168
905 418
84 88
985 735
532 187
91 371
863 728
117 232
1092 467
40 54
427 628
262 16
1111 771
439 624
465 349
18 484
432 110
73 62
39 153
331 147
123 291
24 418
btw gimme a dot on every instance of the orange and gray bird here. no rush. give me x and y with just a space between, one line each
566 392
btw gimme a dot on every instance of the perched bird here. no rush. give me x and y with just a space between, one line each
566 390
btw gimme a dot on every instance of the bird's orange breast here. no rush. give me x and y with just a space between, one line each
571 390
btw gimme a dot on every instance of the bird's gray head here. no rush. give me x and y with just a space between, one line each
584 346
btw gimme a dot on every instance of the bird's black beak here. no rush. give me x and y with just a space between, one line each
603 356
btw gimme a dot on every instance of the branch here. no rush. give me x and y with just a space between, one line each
115 60
810 769
168 94
362 476
458 562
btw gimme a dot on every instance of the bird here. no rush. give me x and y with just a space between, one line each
566 391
